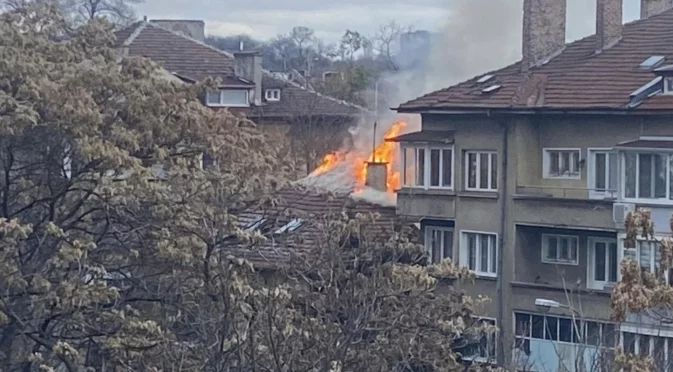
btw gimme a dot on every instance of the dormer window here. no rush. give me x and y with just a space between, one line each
668 85
272 95
227 98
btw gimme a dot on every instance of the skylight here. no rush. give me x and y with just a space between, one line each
484 79
491 89
255 224
652 62
290 226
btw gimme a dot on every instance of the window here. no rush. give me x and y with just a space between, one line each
427 167
603 262
272 94
561 163
482 346
439 243
529 327
559 249
659 348
648 255
227 97
479 253
648 176
481 170
668 85
602 174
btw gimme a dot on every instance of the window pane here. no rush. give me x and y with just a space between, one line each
565 163
644 345
420 168
551 328
600 172
575 162
613 265
434 167
563 248
659 354
494 171
448 244
235 97
436 246
660 174
565 330
554 163
593 336
409 166
447 167
537 326
552 249
494 254
483 252
472 251
472 170
612 172
599 261
483 170
630 161
573 249
522 324
213 98
629 342
645 255
645 181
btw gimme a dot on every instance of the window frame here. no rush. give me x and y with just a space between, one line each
478 153
428 237
545 246
427 167
594 192
546 163
490 338
667 200
592 283
221 104
577 326
271 98
665 82
464 254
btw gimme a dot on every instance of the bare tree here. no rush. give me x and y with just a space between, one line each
385 39
119 12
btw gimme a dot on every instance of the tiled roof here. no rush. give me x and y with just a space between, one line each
193 60
647 144
577 78
308 212
434 136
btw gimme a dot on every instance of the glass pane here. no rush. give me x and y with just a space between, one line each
573 249
472 170
564 246
483 171
644 345
645 255
434 167
630 161
420 168
213 98
629 342
537 326
565 330
612 172
552 249
599 261
472 251
447 167
236 97
551 328
575 162
483 251
610 335
613 265
494 171
553 163
522 324
600 172
645 176
448 244
436 246
409 166
593 336
660 174
565 163
659 354
494 254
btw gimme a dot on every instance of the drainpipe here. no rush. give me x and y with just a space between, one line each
503 239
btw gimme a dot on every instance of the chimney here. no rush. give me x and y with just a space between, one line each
377 174
189 28
649 8
608 23
248 65
544 31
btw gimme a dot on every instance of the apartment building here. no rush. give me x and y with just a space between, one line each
525 175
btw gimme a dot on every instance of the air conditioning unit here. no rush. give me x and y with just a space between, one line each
620 211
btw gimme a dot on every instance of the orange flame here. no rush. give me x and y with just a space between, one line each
383 153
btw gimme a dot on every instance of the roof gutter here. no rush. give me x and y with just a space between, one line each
539 111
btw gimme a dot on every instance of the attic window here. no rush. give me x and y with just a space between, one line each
651 62
491 89
668 85
291 226
227 98
484 79
272 95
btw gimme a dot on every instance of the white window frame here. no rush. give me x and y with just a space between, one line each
595 193
272 95
668 200
592 283
429 229
490 338
221 104
427 166
493 254
546 163
478 153
667 89
545 247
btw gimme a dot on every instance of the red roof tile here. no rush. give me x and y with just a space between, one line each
578 78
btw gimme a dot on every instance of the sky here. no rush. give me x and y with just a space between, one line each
265 19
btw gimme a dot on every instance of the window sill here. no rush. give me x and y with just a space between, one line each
220 106
563 178
562 263
420 190
560 288
479 194
485 276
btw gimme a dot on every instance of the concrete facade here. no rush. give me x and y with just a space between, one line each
528 205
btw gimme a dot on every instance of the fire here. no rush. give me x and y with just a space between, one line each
383 153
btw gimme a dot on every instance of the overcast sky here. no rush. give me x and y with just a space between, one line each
329 18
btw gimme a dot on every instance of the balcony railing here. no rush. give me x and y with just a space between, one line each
555 192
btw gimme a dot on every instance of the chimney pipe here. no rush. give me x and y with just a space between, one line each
608 23
544 31
649 8
377 174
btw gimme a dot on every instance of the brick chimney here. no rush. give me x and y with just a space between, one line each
544 30
649 8
608 23
248 65
377 174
